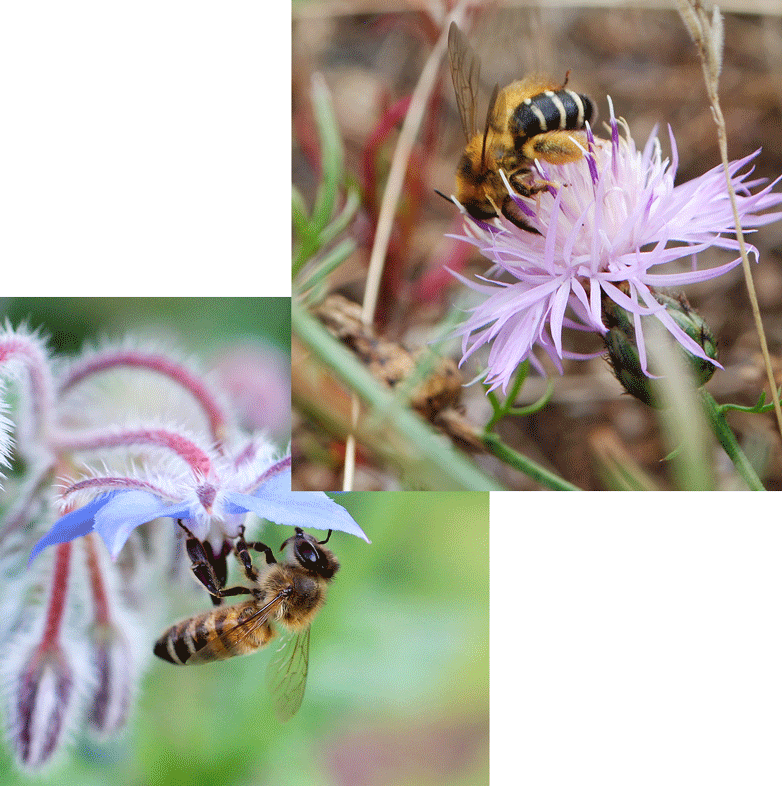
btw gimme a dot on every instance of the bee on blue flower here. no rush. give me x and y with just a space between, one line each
77 631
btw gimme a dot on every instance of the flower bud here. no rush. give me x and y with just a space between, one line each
112 663
41 706
623 353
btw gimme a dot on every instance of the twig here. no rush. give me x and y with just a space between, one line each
708 38
393 190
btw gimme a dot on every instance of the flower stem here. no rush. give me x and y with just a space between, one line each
97 583
29 350
507 408
708 37
729 443
500 410
59 592
513 459
179 373
196 458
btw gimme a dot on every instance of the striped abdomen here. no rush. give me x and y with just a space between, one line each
551 110
220 629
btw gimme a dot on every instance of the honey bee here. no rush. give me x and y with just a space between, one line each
529 119
285 594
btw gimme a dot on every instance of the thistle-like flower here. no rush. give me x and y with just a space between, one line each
142 485
607 225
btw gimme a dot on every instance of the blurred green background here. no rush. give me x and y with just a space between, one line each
239 340
195 322
398 687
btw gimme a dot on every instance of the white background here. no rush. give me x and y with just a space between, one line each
145 148
636 639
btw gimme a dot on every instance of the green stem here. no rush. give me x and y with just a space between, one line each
328 263
500 410
729 442
330 153
513 459
531 409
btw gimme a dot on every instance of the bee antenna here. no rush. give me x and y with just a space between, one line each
299 532
321 542
446 198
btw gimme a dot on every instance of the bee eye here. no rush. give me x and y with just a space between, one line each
306 553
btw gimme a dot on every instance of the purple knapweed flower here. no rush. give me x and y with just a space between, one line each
607 225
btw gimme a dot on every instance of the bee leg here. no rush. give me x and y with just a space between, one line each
525 182
515 215
219 565
243 552
209 568
556 147
238 590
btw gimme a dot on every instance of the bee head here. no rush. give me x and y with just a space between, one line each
309 554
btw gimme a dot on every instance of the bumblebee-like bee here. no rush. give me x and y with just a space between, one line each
286 594
529 119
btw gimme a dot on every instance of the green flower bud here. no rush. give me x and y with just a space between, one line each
623 351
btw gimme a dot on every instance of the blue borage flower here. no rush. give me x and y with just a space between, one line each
603 229
210 513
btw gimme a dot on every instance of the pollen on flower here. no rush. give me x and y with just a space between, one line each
206 496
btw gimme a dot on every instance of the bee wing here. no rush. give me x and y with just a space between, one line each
496 110
465 72
489 116
222 645
286 674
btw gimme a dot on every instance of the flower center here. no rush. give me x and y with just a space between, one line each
206 496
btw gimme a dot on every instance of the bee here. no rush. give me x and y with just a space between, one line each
529 119
286 597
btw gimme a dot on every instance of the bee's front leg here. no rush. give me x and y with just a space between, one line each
243 553
516 216
204 570
211 571
526 182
